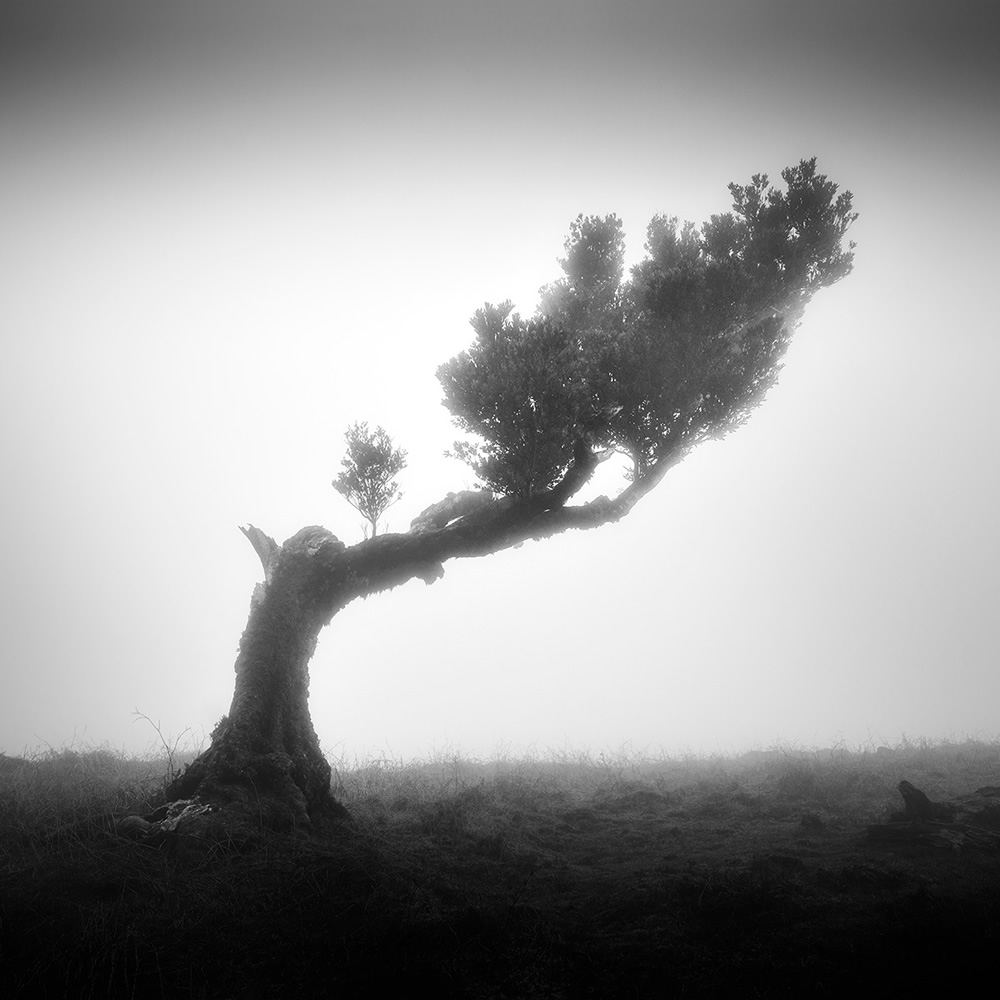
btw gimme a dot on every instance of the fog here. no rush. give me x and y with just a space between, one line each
231 229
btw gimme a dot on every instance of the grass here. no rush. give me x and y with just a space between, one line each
606 876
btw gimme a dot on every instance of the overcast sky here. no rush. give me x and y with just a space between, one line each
231 228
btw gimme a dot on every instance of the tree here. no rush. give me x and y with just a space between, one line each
649 366
366 481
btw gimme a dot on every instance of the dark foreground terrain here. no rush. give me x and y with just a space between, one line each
608 877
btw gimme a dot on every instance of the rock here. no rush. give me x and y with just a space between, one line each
968 822
918 806
133 826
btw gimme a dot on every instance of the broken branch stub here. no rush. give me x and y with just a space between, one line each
265 547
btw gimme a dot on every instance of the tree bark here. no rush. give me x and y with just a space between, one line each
265 763
264 766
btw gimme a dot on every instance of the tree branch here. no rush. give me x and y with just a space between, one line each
463 525
489 526
453 506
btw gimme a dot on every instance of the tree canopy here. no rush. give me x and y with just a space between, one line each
680 351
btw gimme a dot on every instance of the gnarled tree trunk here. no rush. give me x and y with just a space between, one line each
265 760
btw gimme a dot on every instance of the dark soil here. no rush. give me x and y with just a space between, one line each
526 884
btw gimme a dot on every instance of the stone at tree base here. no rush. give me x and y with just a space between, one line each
133 826
190 829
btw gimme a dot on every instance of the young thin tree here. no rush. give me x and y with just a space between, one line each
650 365
366 481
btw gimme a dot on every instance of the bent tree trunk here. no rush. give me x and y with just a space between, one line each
264 765
265 760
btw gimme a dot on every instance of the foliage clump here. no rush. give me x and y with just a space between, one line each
649 366
367 480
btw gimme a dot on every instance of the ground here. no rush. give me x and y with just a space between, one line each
624 877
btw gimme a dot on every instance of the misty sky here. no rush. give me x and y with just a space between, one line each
231 228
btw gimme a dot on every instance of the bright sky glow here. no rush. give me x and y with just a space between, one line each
230 229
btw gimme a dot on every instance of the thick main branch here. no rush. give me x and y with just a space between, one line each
467 525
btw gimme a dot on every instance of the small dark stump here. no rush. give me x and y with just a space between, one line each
970 821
